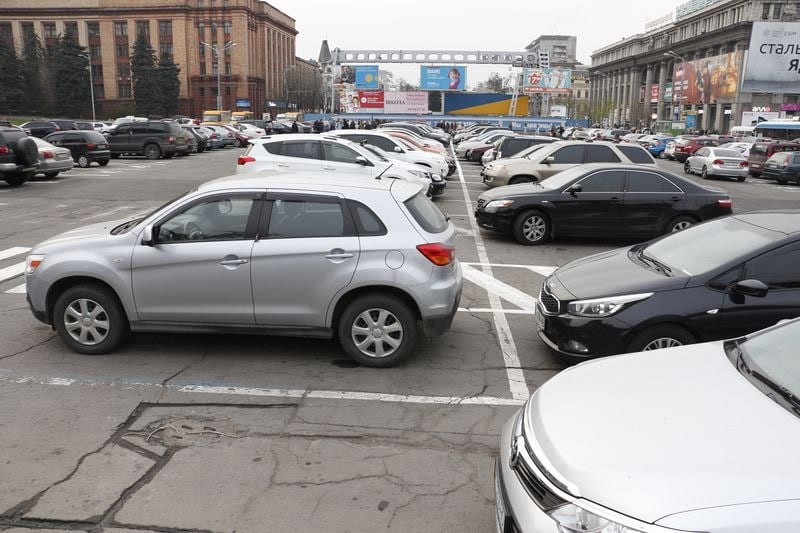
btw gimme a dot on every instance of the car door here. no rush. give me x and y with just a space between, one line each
119 138
140 133
299 156
777 269
650 202
563 158
339 158
198 268
697 159
307 254
596 209
74 142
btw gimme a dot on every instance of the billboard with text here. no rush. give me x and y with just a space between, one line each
414 102
446 78
547 80
773 60
366 76
706 80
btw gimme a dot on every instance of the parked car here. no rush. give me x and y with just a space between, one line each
614 134
40 128
52 159
511 146
761 151
241 138
599 200
464 149
558 156
742 147
250 130
198 141
398 148
64 123
214 137
658 146
226 136
304 267
684 150
437 182
19 156
426 145
86 146
783 167
644 474
420 130
713 161
153 139
102 127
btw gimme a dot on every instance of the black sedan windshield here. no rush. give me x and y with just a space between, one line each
772 357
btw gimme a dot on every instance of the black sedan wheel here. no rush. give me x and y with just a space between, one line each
680 223
660 336
531 228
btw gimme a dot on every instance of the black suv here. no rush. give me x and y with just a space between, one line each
40 128
510 146
19 156
86 146
153 139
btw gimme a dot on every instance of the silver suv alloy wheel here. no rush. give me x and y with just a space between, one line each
377 333
86 321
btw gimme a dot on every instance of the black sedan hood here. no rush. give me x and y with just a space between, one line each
611 274
510 191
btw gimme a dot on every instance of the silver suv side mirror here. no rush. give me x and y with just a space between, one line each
147 236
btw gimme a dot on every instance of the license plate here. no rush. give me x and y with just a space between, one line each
540 320
61 156
101 146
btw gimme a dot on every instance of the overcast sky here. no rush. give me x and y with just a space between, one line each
465 24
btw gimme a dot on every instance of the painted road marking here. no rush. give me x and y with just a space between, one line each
516 378
539 269
11 252
488 310
19 289
499 288
11 272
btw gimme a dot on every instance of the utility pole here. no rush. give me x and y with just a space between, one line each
88 56
216 51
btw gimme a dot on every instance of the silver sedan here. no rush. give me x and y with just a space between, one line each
52 159
715 161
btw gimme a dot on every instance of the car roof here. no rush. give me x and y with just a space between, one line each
785 221
534 137
310 182
328 136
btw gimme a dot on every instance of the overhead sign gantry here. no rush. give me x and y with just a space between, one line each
467 57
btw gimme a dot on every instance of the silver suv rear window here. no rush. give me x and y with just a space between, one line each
425 212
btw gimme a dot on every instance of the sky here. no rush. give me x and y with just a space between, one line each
507 25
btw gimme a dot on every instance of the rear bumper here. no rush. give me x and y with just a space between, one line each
734 172
98 155
15 168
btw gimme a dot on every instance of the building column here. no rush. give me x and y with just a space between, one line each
739 97
662 82
648 90
617 97
719 118
635 85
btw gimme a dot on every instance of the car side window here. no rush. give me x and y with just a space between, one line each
568 155
367 222
221 218
273 148
301 149
139 128
157 127
604 181
122 129
339 153
777 268
381 142
600 154
72 138
649 182
306 217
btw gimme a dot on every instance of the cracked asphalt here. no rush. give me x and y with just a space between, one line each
224 433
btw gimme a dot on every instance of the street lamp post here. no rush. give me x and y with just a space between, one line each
216 50
286 86
674 55
91 84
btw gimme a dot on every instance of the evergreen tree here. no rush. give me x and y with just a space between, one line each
34 76
169 85
145 76
70 77
11 88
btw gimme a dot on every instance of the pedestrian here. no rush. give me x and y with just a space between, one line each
295 127
345 125
352 124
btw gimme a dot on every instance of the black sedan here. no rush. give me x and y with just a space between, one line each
600 200
721 279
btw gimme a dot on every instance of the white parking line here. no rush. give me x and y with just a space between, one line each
501 289
11 272
11 252
539 269
19 289
516 378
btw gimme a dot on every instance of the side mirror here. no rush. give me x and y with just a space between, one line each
398 149
147 236
751 287
575 188
361 160
549 160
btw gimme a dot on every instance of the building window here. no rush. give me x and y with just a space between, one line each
124 90
201 91
203 68
71 29
202 49
97 71
776 11
94 50
122 50
165 28
165 50
27 30
765 12
228 91
93 29
99 91
228 68
214 30
121 29
143 28
123 71
228 27
49 29
214 68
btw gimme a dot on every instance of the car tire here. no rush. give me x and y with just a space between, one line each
660 336
103 162
680 224
531 228
15 180
741 178
704 172
108 327
152 151
521 179
687 169
84 161
169 156
373 314
27 152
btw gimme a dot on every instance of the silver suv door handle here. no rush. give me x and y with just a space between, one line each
339 255
328 168
230 262
283 165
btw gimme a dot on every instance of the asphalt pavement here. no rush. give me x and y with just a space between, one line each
247 433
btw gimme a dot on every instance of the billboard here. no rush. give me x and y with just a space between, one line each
558 111
706 80
446 78
482 104
668 92
773 61
370 99
366 76
415 102
654 94
751 118
547 80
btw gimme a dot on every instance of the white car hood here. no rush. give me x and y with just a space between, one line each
92 231
659 433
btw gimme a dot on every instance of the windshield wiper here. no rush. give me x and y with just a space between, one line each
780 390
654 262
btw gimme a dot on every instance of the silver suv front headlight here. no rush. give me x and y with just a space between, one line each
574 519
600 307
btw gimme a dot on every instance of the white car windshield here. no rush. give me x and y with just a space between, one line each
377 152
771 358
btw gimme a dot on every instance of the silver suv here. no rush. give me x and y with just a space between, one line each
364 260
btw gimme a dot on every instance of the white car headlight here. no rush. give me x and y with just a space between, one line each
420 174
604 306
495 205
32 262
574 519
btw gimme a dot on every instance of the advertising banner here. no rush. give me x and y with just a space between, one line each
773 60
558 111
415 102
443 78
370 99
752 118
654 94
366 76
668 92
706 80
547 80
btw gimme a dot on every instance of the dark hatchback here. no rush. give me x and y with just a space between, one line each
783 167
721 279
87 147
600 200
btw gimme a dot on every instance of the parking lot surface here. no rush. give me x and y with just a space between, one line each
222 433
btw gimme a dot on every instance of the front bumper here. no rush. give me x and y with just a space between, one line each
599 336
499 221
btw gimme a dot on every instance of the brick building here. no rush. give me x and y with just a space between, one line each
252 69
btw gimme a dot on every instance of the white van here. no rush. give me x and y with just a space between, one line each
738 132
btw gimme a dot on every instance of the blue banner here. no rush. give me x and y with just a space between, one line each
366 76
443 78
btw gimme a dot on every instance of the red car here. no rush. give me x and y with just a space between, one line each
683 151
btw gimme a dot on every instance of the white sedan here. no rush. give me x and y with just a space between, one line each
695 438
716 161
